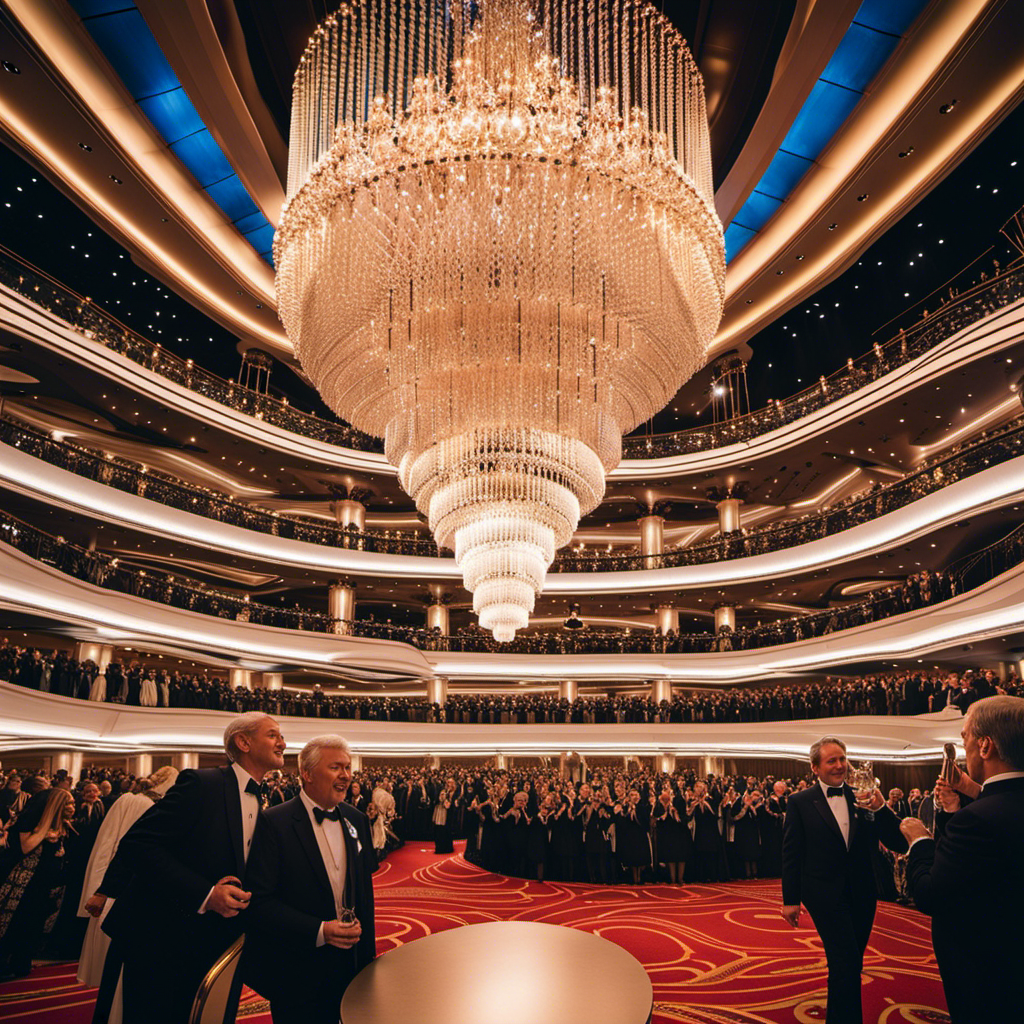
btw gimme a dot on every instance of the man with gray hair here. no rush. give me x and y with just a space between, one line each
969 878
177 877
312 918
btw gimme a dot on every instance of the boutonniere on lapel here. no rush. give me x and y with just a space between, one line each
355 835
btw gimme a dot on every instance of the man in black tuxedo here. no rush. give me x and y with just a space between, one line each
968 880
311 926
177 876
827 841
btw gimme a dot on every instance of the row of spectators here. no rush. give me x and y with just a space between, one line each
958 310
897 693
971 456
920 589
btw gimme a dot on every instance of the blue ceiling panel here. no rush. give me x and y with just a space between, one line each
247 223
783 173
172 114
892 16
859 57
230 195
824 110
91 8
261 239
200 153
758 210
736 236
128 44
122 34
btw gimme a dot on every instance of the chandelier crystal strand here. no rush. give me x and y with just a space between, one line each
499 253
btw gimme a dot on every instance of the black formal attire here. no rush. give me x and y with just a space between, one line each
292 896
968 881
836 883
160 878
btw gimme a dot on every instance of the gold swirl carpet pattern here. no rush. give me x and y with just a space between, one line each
716 954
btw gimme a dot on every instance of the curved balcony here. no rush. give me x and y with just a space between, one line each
982 452
38 592
919 591
966 309
32 720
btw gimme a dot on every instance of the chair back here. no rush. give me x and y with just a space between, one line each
216 1000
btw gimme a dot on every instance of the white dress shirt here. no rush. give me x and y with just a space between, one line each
250 804
331 841
840 809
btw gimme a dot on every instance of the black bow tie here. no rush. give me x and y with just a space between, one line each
320 815
252 786
835 791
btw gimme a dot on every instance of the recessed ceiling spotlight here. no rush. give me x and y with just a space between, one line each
906 152
116 180
832 227
11 68
862 197
85 146
801 256
947 107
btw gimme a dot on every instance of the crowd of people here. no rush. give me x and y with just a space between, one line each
77 857
970 456
894 693
919 589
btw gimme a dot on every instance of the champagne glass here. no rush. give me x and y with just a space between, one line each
863 781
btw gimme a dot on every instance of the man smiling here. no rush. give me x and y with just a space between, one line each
827 842
312 892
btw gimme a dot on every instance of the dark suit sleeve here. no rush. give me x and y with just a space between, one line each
267 911
944 871
793 841
151 845
367 945
888 826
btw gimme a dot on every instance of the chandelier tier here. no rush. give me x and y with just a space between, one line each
499 253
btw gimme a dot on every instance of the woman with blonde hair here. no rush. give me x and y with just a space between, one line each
30 895
123 813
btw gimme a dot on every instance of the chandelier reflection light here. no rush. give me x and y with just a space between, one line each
499 253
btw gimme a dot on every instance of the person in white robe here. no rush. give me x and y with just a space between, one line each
123 813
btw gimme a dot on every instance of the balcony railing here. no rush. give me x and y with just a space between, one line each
113 573
961 311
991 448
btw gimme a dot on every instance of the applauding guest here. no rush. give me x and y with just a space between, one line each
968 879
312 926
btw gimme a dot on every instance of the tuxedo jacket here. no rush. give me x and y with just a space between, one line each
169 860
817 867
292 896
969 881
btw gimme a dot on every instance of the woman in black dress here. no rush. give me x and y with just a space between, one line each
632 843
747 819
707 840
31 892
672 835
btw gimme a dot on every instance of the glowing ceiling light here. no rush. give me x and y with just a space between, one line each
499 252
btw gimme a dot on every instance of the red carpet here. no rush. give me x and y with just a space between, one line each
716 954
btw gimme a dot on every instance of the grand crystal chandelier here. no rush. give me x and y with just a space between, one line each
499 253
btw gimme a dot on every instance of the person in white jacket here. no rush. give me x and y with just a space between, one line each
123 813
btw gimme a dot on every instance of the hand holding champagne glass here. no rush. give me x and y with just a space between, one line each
865 786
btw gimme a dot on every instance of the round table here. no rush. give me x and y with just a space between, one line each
503 972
